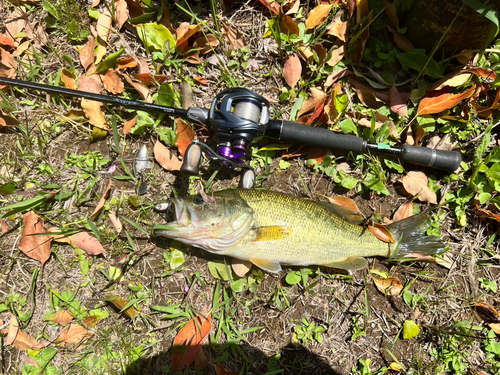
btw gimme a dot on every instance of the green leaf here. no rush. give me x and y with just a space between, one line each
135 225
485 11
48 7
94 13
238 286
293 278
350 182
410 329
348 126
275 147
165 95
219 270
417 60
22 206
142 121
155 36
109 61
7 188
177 259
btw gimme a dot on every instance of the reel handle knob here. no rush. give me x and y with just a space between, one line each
247 179
191 162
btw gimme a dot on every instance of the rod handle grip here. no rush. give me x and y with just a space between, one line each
428 157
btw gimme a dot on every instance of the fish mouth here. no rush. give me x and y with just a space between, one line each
181 218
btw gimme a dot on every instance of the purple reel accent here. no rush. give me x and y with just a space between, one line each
233 154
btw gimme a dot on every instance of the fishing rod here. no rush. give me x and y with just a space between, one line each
238 117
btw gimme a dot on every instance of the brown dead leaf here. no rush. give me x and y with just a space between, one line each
104 196
30 360
317 95
186 135
381 233
337 55
23 341
400 40
396 102
205 44
94 113
91 84
317 15
487 312
391 13
68 79
368 95
127 62
166 158
21 48
200 80
7 60
495 327
150 79
104 25
292 70
465 56
112 82
61 317
403 212
288 25
87 53
184 32
339 29
115 220
234 36
416 183
13 330
7 41
87 243
241 267
294 8
221 370
73 335
6 120
121 13
5 228
455 81
390 286
140 88
128 125
16 22
136 8
32 244
273 6
482 72
120 304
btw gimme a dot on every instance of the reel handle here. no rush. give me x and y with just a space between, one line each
191 162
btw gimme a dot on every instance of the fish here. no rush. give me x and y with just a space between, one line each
271 229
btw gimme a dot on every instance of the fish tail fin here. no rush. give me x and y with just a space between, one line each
410 235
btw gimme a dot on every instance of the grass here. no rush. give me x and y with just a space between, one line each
136 297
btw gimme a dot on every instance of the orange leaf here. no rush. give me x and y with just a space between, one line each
127 62
73 335
32 244
390 286
288 25
272 6
121 13
149 79
240 267
140 88
221 370
201 80
62 317
13 330
186 135
381 233
345 202
435 104
487 312
92 320
396 102
128 125
495 327
339 29
206 43
68 79
7 41
112 82
416 183
316 153
292 70
317 16
104 196
87 53
87 243
188 341
5 228
403 212
184 32
121 303
23 341
165 158
482 72
7 59
310 103
94 113
91 83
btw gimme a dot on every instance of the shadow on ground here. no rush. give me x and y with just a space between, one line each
242 359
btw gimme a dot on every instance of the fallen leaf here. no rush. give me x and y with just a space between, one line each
188 341
92 320
495 327
91 84
100 205
16 22
73 335
136 8
410 329
7 60
87 53
317 16
436 103
455 81
150 79
6 120
32 244
184 32
206 43
292 70
273 6
390 286
127 62
21 48
5 228
294 8
23 341
115 220
339 29
482 72
241 267
368 95
166 158
288 25
381 233
316 153
234 36
403 212
221 370
112 82
68 79
380 120
128 125
121 13
201 360
396 102
186 135
30 360
94 113
104 25
120 304
391 13
337 75
317 96
416 183
360 42
200 80
87 243
337 56
487 312
140 88
13 330
7 41
61 317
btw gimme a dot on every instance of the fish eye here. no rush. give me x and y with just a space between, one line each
198 199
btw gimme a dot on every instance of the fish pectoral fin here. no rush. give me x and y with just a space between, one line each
344 212
266 265
272 233
351 263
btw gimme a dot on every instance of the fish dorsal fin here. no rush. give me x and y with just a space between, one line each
346 213
351 263
266 265
272 233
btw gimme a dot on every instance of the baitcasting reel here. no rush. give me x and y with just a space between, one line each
237 118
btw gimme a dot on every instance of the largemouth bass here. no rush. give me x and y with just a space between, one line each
272 229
